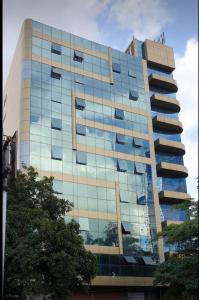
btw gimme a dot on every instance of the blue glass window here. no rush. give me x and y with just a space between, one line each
58 186
126 227
56 124
130 259
80 129
55 48
148 260
120 139
141 199
55 73
80 103
56 152
137 142
139 168
81 158
116 68
124 197
133 95
121 165
131 74
84 224
119 114
34 118
78 56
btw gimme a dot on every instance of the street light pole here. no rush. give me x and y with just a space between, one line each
6 163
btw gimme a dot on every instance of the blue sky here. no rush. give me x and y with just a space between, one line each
113 23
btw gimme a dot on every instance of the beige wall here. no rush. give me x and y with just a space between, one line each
14 87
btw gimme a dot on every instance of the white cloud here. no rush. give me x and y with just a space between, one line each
144 18
186 75
76 16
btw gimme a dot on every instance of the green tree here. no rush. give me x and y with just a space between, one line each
180 270
43 254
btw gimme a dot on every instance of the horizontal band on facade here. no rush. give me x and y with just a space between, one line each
92 214
70 45
69 68
112 104
112 129
78 179
114 154
122 281
103 249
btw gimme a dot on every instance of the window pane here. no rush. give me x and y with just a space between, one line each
78 56
56 152
119 114
116 68
120 139
121 165
139 168
131 74
141 199
133 95
81 158
55 73
80 103
126 227
137 142
84 224
80 129
56 124
58 186
56 49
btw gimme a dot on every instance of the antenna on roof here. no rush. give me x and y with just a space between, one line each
161 39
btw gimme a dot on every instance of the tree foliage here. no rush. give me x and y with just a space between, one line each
180 270
43 254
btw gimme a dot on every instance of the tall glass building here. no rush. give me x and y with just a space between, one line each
105 124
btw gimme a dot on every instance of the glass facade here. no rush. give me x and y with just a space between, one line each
90 122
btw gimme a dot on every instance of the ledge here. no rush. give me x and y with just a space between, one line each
163 82
167 124
161 101
171 170
172 196
169 146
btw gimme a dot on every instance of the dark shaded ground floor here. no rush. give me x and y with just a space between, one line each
118 293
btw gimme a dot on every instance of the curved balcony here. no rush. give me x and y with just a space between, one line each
165 169
172 196
167 83
169 222
167 124
164 102
168 146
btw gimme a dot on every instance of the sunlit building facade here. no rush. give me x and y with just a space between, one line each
105 124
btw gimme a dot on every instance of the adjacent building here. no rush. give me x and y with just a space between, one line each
105 124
